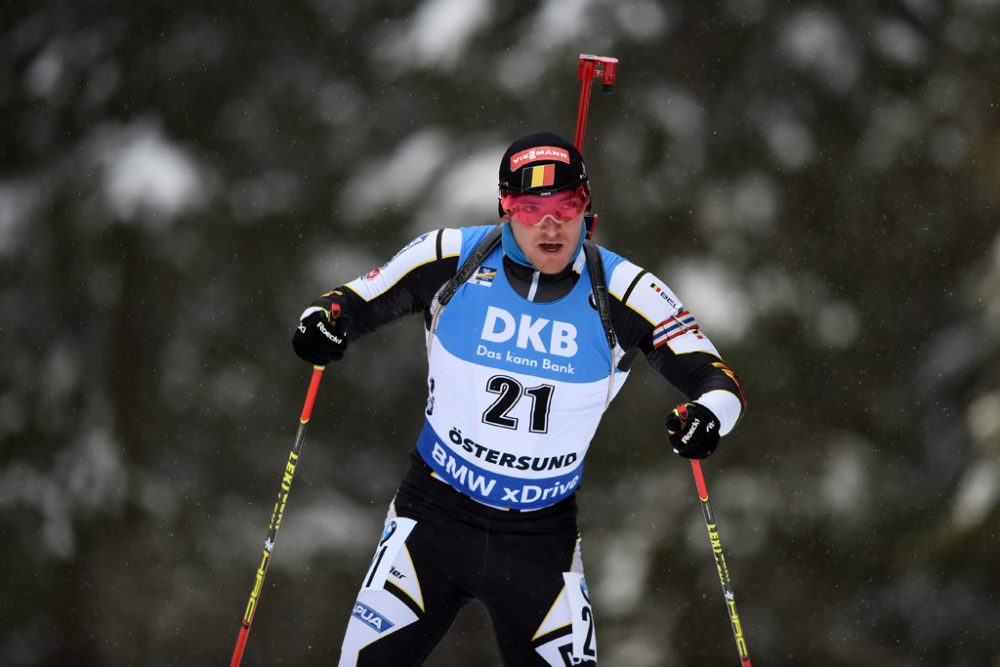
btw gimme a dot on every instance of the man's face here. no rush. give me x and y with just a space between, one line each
550 242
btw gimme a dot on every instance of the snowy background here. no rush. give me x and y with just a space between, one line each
818 181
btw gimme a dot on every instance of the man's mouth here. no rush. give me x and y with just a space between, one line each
550 247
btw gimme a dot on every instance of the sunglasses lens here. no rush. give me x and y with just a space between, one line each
530 209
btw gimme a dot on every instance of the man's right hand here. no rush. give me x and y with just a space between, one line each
321 336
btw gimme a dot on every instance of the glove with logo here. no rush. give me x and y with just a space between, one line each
321 336
693 431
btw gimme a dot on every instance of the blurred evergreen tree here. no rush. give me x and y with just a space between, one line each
817 181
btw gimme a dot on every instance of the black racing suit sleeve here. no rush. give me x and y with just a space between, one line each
693 373
409 295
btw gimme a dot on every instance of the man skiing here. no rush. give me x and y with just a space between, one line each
531 331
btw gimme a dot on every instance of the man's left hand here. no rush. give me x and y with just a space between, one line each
693 431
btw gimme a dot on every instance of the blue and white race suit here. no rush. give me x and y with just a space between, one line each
519 374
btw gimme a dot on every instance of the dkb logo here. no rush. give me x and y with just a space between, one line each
500 326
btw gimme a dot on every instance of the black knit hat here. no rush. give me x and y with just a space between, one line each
541 164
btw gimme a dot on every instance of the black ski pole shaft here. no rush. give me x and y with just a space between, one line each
720 563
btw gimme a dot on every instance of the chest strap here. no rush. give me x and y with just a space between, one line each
470 265
599 288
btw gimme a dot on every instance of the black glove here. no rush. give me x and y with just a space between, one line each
321 336
693 430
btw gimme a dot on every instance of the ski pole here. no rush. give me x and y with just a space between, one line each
720 563
590 68
279 510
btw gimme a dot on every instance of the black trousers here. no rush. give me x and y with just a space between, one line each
441 550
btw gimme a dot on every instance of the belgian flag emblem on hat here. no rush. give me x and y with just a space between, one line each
540 176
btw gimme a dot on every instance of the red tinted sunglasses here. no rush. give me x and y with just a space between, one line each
530 209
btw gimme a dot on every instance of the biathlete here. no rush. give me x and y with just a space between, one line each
531 330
